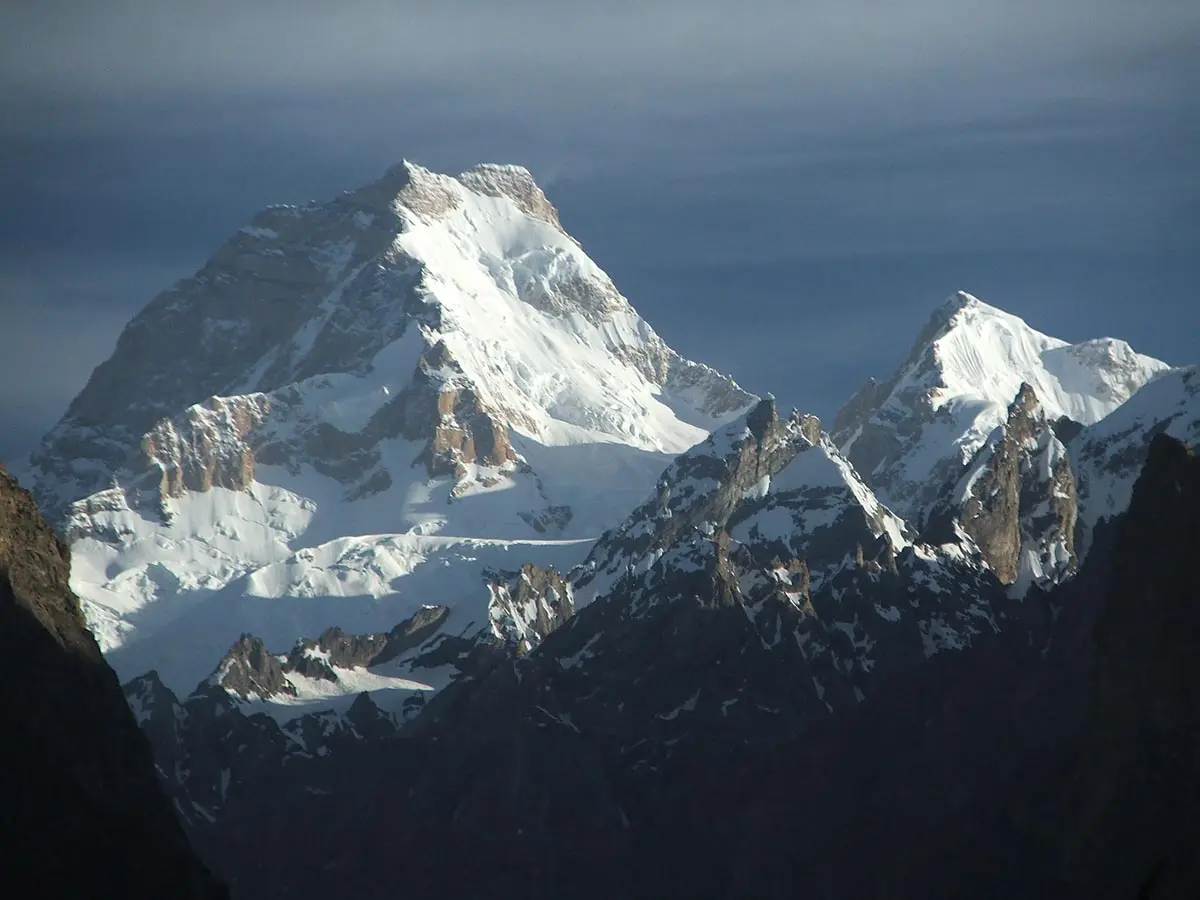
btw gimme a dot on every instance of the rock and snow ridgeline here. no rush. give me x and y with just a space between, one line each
910 435
424 395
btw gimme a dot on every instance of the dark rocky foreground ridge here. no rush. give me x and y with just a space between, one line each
1058 757
82 810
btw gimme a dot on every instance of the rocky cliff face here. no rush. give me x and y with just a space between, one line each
761 588
217 443
248 671
1016 501
85 815
527 606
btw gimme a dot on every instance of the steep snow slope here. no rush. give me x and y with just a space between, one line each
911 436
427 355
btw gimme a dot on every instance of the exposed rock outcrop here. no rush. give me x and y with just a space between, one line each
1017 500
446 411
249 671
217 443
528 605
208 448
514 182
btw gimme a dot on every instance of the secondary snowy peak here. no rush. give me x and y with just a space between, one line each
1016 502
912 435
697 493
427 355
1109 454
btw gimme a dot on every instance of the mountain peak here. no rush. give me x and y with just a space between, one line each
966 366
1026 399
409 188
762 417
433 349
960 310
514 182
952 313
961 300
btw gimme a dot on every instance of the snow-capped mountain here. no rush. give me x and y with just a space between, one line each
414 534
406 379
912 436
757 590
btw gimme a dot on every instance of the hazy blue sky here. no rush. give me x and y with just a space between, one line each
784 189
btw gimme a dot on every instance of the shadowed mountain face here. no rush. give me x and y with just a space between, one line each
84 813
1056 755
1135 822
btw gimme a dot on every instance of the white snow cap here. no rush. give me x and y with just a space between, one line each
968 365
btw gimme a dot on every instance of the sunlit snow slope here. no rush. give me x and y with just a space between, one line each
428 356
